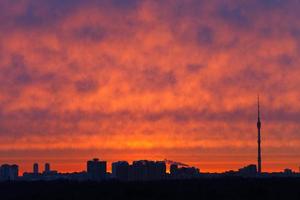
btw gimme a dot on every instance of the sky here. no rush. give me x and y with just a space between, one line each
149 79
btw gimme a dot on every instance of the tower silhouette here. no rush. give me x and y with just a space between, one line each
258 137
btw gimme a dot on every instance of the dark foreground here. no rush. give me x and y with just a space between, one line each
225 188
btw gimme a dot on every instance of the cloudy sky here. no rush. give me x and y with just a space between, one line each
149 79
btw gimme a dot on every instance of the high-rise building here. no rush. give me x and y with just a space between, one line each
36 168
183 172
160 169
258 138
9 172
138 170
96 169
147 170
120 170
14 172
47 168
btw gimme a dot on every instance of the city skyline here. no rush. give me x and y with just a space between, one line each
144 169
142 79
104 169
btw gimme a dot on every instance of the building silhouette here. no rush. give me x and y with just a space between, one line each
120 170
9 172
144 170
47 168
288 171
183 172
96 169
140 170
36 168
250 170
258 138
173 168
160 170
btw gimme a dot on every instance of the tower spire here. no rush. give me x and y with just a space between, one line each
258 137
258 108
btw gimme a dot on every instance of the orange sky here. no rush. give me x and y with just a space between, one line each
142 79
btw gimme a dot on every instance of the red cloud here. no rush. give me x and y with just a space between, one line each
153 76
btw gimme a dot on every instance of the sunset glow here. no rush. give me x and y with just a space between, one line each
143 79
